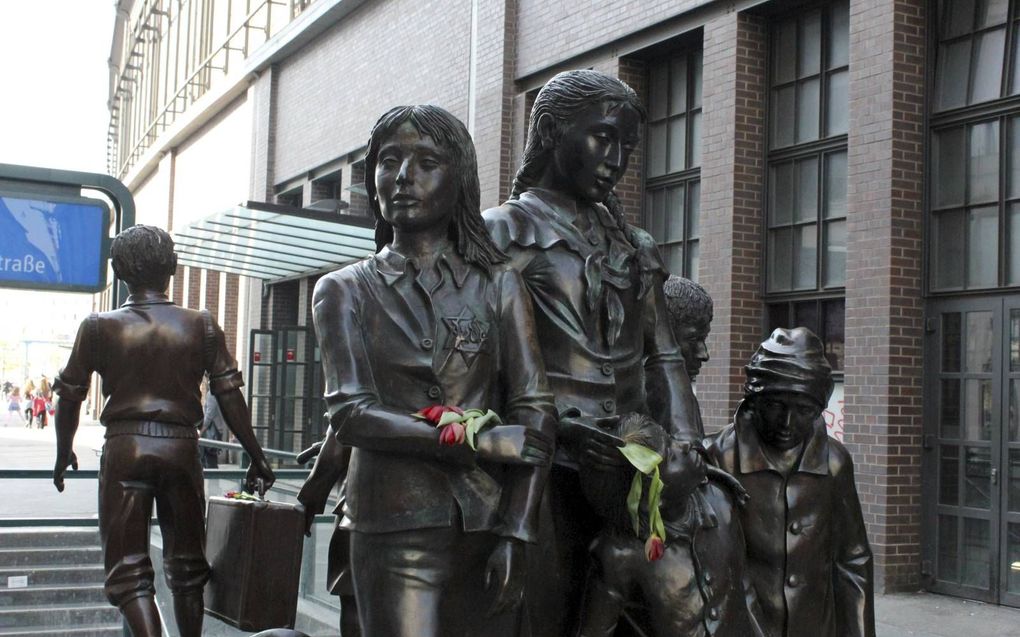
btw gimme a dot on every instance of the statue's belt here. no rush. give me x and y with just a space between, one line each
152 428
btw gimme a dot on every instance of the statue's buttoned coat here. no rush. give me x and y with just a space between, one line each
808 553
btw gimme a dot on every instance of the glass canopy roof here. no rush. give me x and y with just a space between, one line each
267 241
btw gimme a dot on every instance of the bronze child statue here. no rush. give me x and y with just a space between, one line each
808 555
434 322
690 315
152 356
691 582
697 583
596 283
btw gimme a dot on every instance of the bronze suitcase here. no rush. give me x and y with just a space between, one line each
254 549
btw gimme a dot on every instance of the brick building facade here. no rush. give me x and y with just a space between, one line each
812 163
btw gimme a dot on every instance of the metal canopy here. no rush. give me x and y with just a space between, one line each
268 241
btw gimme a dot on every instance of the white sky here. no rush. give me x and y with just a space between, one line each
53 70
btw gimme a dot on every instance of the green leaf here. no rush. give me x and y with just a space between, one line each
448 417
471 428
472 413
655 524
643 458
634 502
486 418
418 416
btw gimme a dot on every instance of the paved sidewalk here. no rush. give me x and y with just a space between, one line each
928 615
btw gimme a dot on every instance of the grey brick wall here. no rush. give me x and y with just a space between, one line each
491 116
549 32
330 93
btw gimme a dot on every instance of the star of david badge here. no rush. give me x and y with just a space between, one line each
467 335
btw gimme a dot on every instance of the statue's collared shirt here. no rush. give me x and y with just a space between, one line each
152 355
599 308
391 347
807 547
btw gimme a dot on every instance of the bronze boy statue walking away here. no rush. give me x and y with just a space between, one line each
152 356
807 550
596 283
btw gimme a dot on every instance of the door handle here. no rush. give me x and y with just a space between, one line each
995 475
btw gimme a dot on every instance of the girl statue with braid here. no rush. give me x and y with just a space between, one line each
596 285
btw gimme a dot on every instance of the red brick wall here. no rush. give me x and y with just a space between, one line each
631 187
731 204
194 288
884 312
230 310
177 290
212 293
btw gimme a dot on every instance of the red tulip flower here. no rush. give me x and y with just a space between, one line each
654 547
452 434
433 413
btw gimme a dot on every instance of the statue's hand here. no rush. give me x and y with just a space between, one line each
506 570
60 467
314 501
684 469
515 444
601 450
309 454
259 469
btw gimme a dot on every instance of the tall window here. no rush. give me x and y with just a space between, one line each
673 159
807 169
974 240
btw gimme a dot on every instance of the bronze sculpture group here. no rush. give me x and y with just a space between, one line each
589 492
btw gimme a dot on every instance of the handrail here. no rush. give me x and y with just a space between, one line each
233 446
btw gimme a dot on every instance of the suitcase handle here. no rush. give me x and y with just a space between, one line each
260 486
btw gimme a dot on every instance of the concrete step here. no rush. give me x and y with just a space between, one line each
50 556
64 537
52 595
24 618
55 575
105 630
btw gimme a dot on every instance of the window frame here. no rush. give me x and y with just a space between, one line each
819 149
935 43
1000 110
691 173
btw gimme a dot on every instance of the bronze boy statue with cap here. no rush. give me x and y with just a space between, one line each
807 549
152 356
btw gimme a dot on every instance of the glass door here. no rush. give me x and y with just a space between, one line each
1009 571
972 449
262 384
963 431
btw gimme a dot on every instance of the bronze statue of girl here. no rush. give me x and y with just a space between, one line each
596 283
434 318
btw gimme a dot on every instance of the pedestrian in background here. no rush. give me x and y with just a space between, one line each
45 389
213 427
15 402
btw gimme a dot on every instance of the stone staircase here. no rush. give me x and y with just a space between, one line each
64 592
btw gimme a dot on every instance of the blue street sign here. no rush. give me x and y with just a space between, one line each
53 242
